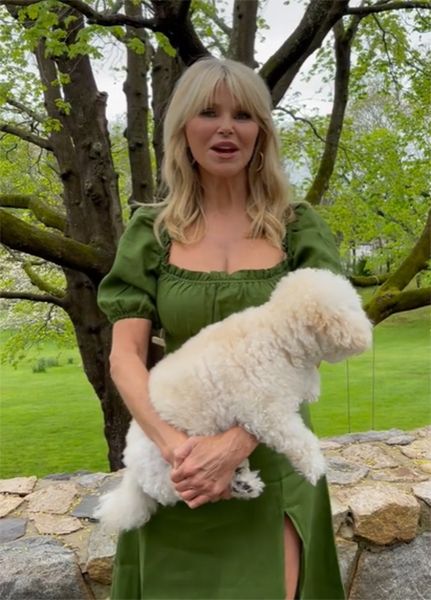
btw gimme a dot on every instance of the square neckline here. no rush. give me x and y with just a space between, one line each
240 274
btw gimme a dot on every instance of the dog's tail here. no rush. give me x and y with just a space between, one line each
126 507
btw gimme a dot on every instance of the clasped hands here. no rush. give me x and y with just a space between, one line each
203 466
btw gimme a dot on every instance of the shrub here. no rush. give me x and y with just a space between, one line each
40 366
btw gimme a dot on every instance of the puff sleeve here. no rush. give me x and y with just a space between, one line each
129 289
310 242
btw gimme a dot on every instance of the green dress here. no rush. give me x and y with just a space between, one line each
232 549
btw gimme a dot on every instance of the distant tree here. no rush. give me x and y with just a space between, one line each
74 220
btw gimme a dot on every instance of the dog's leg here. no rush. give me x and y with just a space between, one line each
287 434
126 507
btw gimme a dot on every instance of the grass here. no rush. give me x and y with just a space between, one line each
388 386
51 421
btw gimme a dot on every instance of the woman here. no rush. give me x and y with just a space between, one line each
224 236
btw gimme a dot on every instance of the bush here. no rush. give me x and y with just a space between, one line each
40 366
52 362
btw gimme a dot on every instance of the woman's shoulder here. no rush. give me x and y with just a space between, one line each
141 224
309 240
145 214
302 212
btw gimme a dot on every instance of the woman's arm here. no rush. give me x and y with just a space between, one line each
207 465
203 466
130 342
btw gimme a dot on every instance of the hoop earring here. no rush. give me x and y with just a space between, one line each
261 162
191 158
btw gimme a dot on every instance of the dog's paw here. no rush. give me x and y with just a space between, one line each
246 484
317 469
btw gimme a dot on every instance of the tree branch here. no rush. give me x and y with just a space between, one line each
26 109
367 280
60 250
92 15
414 262
366 10
41 283
44 213
173 19
241 45
33 297
389 298
343 45
26 136
385 305
281 68
302 120
221 24
391 219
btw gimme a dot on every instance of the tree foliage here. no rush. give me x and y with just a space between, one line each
66 179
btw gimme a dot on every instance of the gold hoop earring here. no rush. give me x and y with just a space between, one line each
262 160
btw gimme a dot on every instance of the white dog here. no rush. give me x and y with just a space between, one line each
252 369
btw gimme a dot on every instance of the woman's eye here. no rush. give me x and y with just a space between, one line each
243 115
207 112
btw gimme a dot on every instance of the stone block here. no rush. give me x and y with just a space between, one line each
85 509
55 524
40 568
400 573
339 509
56 499
367 436
17 485
12 528
101 551
342 472
90 480
9 503
419 449
347 553
369 455
401 474
400 440
384 514
423 491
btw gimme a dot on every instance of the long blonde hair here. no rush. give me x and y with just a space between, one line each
268 201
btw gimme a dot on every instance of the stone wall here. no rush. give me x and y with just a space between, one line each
380 485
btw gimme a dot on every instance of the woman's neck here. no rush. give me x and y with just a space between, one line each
224 195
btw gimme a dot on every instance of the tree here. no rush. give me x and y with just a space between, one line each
60 112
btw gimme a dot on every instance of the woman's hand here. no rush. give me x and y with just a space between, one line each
204 466
173 440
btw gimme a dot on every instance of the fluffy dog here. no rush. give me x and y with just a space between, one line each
252 369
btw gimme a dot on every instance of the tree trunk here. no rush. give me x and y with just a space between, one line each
93 334
136 90
166 71
93 216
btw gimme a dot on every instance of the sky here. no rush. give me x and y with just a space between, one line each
281 19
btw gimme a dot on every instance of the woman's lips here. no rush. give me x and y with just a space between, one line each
225 150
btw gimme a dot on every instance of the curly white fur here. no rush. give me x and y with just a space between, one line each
254 369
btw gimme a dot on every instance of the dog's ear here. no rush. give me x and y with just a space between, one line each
322 315
341 325
343 333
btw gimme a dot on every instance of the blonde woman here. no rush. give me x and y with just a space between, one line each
221 240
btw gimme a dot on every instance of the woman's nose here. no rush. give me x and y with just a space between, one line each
225 126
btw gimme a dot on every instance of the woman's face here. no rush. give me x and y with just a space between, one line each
222 136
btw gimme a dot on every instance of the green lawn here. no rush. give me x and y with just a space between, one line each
51 421
385 387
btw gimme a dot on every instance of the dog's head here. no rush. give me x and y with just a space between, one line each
319 315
